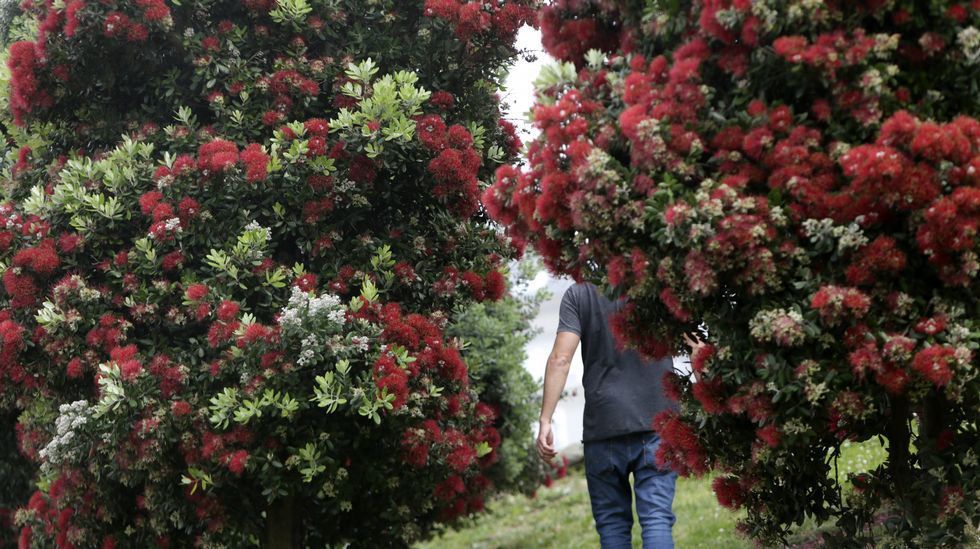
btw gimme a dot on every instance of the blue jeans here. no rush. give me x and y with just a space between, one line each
608 464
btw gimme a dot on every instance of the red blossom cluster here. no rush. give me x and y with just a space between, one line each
835 303
455 165
26 93
570 28
57 511
12 343
30 266
489 287
287 88
472 18
680 448
936 363
729 492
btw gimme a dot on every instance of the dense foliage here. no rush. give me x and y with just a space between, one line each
803 178
495 336
227 325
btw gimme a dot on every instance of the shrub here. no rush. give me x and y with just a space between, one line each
801 178
227 325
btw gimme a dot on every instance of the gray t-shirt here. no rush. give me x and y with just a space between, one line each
622 390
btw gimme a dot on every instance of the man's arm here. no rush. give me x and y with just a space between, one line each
555 376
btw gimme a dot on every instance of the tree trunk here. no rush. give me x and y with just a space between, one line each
280 524
899 437
932 418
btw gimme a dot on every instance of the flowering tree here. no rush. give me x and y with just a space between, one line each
226 326
803 178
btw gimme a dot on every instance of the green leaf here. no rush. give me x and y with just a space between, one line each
483 449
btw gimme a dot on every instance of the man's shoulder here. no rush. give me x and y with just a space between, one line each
580 289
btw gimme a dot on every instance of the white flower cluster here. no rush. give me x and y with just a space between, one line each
847 236
303 305
60 449
264 231
307 354
361 343
778 216
885 44
872 81
780 326
728 18
596 168
969 41
172 225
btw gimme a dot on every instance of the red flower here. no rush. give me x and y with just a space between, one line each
172 261
790 48
75 368
680 448
227 311
729 492
180 408
711 394
395 382
306 282
404 272
318 127
125 358
934 364
196 292
673 304
217 156
42 259
188 209
415 447
836 303
459 137
449 488
475 283
893 379
154 10
211 43
770 434
432 132
236 461
495 285
461 458
931 326
26 95
362 170
256 162
442 100
116 24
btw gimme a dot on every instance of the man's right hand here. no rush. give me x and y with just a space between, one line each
546 441
693 342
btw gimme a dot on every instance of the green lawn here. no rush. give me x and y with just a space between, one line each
560 516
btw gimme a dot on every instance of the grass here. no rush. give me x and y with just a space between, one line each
560 516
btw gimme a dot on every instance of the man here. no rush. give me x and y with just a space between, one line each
622 395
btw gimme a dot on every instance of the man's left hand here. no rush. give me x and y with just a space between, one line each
546 442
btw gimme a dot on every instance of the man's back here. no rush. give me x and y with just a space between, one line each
622 391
